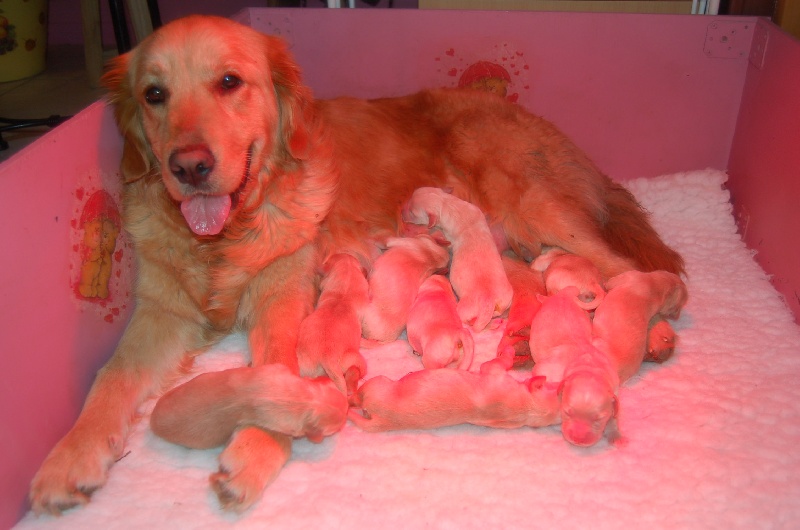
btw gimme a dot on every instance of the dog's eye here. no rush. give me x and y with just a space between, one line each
155 95
230 81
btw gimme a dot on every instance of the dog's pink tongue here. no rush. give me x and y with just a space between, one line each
206 214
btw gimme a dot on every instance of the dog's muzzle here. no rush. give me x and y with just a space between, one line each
205 214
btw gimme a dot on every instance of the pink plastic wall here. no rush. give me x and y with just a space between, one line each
638 92
644 95
51 343
765 160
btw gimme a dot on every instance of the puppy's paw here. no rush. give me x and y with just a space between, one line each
76 467
475 313
251 462
494 366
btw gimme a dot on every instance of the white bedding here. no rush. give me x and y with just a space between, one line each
713 434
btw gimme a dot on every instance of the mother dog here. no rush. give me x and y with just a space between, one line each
236 183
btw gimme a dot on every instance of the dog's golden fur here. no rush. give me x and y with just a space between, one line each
207 410
442 397
298 176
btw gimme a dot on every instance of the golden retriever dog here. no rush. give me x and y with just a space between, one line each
237 182
394 283
589 401
621 341
561 347
205 412
561 269
560 332
634 301
330 337
434 329
476 271
661 341
528 286
442 397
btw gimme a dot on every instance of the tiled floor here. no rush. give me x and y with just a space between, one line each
62 89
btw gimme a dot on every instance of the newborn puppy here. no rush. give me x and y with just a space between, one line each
560 332
661 340
621 322
561 347
527 285
330 337
394 281
205 411
434 328
589 404
476 271
428 399
562 269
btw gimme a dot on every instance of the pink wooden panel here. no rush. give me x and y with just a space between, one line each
638 92
765 160
51 341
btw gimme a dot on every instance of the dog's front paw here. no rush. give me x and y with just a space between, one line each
76 467
251 462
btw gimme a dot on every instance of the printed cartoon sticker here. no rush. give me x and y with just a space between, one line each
502 70
101 269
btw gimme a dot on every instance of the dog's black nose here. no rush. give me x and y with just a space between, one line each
192 165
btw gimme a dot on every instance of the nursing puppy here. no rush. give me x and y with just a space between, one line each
561 347
589 402
428 399
237 182
560 332
394 282
434 328
330 337
562 269
621 322
476 271
528 286
661 341
205 411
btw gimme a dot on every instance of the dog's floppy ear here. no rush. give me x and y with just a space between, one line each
294 98
135 153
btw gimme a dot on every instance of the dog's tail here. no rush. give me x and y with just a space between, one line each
628 231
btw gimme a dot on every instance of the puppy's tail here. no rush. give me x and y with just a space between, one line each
628 231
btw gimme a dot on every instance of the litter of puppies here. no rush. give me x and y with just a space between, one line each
584 334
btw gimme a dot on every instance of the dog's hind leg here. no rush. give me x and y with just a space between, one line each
569 226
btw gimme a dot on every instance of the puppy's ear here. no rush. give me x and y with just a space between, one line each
136 157
438 235
294 99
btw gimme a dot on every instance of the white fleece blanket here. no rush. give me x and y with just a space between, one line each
713 434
